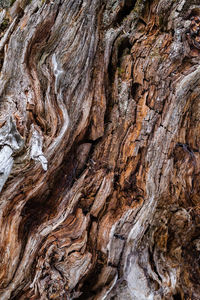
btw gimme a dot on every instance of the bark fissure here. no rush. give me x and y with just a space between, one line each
99 137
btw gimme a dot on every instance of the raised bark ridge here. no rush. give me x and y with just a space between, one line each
99 136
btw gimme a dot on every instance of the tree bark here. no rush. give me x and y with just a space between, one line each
99 157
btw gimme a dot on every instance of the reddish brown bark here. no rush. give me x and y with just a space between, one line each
99 139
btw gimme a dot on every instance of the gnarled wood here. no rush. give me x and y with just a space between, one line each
100 136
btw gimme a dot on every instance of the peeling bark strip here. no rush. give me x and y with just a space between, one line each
99 149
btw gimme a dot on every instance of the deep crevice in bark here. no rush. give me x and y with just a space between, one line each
126 7
108 95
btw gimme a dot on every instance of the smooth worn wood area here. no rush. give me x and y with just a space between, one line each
99 149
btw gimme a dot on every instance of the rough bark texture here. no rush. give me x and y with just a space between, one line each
99 157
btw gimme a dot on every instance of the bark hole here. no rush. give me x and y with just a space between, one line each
127 7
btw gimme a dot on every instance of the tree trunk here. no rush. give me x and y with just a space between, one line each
99 149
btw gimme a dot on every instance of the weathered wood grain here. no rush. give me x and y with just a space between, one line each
99 149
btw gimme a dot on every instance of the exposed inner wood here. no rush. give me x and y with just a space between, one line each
99 149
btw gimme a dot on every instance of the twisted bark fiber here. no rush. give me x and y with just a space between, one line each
99 157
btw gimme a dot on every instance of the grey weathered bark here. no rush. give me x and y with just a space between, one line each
100 137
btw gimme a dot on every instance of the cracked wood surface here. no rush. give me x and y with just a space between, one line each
99 149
